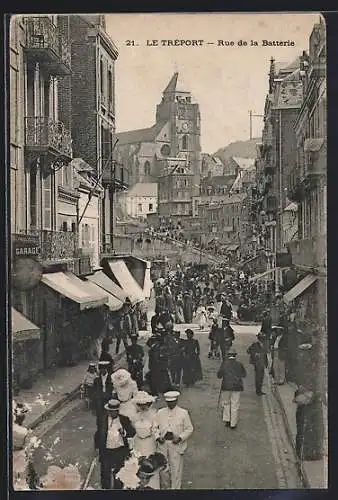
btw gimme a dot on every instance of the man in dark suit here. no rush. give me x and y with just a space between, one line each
259 359
232 373
102 390
114 448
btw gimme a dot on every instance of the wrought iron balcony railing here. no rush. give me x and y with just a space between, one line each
44 134
45 43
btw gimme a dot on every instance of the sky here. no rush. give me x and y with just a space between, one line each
226 81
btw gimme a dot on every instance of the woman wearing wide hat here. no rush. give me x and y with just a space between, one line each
145 427
125 388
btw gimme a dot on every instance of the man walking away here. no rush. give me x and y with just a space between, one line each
232 373
114 432
173 429
259 359
226 309
102 391
135 356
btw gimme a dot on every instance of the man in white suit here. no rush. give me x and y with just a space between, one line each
173 429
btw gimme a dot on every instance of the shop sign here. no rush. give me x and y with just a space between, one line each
26 270
26 246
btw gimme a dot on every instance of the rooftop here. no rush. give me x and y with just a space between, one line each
245 163
140 135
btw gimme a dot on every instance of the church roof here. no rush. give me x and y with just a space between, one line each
171 87
140 135
177 84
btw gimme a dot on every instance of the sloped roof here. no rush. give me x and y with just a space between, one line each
290 92
143 189
219 180
245 163
140 135
171 87
282 67
227 200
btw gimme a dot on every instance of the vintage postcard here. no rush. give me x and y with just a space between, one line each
168 251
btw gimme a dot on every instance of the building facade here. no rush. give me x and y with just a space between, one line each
93 112
276 159
140 201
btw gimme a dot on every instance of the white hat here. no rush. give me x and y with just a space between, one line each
171 395
142 398
112 404
121 377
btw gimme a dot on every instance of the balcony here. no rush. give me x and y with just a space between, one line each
271 204
315 165
46 45
43 135
310 252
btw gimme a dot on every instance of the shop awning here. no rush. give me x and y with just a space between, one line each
126 280
262 275
103 281
22 328
70 286
114 304
299 288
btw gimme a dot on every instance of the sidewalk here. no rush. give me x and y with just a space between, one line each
315 473
51 392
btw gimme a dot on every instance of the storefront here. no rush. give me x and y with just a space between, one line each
73 317
26 348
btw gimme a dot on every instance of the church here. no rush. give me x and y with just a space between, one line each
169 152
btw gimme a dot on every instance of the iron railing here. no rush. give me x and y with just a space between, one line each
43 133
42 34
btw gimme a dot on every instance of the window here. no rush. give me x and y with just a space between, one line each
101 76
146 168
110 87
47 202
67 175
65 226
33 196
140 207
150 207
14 109
185 142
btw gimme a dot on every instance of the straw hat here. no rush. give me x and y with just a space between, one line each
112 405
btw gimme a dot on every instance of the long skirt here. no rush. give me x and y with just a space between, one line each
192 370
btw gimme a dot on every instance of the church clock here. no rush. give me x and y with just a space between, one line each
185 126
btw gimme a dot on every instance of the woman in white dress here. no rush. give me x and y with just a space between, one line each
144 424
125 388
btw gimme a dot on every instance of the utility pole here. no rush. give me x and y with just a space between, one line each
252 115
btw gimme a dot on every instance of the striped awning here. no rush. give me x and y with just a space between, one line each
299 288
72 287
23 328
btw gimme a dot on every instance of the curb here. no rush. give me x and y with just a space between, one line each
301 471
70 396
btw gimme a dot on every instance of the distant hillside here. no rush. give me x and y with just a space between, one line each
243 149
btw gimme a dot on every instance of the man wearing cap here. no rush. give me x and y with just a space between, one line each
173 429
259 359
232 373
102 390
113 435
135 356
